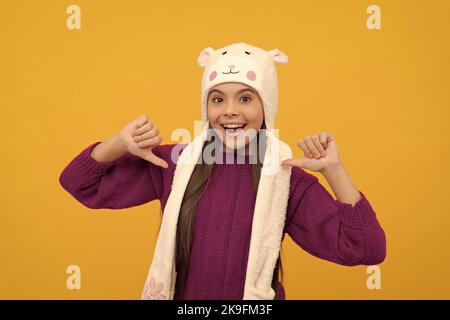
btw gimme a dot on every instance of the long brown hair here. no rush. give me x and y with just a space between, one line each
186 219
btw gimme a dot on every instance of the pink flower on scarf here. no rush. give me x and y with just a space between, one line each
152 290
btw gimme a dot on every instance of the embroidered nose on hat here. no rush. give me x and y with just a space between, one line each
247 64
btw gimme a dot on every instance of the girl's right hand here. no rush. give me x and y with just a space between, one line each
140 137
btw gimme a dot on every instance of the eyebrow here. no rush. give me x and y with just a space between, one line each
240 91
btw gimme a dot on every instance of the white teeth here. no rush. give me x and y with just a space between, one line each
233 126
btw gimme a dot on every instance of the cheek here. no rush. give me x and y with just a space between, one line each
255 116
212 113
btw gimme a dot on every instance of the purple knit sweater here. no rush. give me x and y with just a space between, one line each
324 227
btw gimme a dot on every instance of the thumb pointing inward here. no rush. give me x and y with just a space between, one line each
293 162
151 157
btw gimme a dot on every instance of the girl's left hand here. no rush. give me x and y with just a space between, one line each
320 152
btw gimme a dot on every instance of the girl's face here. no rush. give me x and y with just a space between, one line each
235 112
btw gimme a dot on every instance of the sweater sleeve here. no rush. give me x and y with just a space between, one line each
128 181
329 229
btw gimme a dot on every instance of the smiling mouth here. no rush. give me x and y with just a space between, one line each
233 128
231 72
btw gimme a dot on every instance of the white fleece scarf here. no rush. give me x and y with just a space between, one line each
273 189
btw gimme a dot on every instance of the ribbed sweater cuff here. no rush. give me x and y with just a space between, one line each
87 165
359 215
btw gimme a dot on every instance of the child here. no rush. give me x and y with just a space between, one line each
223 223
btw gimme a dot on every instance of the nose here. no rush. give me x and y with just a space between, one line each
231 66
230 110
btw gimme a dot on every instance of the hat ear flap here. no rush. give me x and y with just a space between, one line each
278 56
204 57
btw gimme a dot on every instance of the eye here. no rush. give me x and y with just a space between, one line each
215 100
247 98
224 52
247 52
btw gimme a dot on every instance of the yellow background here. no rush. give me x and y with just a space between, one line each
383 94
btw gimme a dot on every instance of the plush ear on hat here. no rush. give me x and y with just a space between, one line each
204 56
278 56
